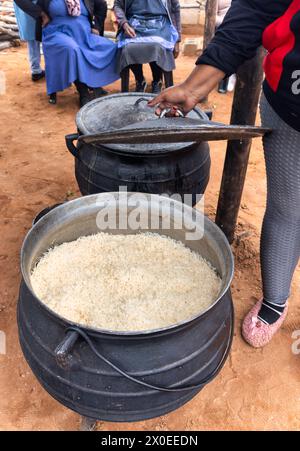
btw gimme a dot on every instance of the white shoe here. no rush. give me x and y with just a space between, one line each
231 83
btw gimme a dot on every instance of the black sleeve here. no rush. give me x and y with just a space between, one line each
29 7
240 34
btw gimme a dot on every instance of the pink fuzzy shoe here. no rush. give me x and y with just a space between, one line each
257 333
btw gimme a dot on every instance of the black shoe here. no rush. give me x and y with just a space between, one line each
52 98
99 92
222 91
156 87
84 99
37 77
141 86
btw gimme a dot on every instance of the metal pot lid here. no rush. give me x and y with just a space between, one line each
174 130
114 112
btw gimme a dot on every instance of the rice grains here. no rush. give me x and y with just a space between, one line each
125 282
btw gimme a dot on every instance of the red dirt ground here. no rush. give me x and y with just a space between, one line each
257 389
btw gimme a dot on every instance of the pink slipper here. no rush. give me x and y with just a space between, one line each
257 333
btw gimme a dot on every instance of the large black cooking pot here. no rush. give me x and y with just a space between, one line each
122 376
161 168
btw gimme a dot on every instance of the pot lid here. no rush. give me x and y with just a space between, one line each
111 113
172 130
126 123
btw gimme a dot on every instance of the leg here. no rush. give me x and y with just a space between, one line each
84 94
137 70
125 79
34 54
223 86
168 76
280 240
100 12
157 74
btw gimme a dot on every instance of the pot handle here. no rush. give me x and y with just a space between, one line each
74 332
62 353
70 144
167 110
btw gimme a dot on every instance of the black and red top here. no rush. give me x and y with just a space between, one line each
275 24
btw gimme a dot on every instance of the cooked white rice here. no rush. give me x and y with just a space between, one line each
125 282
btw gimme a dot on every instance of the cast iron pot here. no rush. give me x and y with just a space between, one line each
124 376
165 168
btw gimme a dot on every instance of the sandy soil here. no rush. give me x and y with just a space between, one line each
257 389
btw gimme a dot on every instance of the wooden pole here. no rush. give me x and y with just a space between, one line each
210 21
244 109
209 25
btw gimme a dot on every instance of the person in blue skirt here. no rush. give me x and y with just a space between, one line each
73 50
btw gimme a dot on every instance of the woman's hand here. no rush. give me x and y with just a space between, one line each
128 30
176 50
95 31
185 96
175 98
45 19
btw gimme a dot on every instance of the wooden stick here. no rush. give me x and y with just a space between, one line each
244 109
5 45
9 32
8 26
210 21
8 19
210 25
7 9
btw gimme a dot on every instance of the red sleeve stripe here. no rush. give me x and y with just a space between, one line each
279 40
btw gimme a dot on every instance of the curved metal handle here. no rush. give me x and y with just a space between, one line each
206 380
70 144
140 100
163 113
167 110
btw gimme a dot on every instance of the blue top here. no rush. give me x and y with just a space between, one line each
146 8
58 8
152 25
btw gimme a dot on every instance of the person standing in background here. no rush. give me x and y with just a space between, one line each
222 8
27 26
228 83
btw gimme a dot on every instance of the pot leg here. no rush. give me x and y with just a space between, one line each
87 424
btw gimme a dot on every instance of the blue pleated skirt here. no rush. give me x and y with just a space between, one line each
72 53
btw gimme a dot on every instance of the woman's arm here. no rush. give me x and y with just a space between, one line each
236 41
119 10
33 10
240 34
120 13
